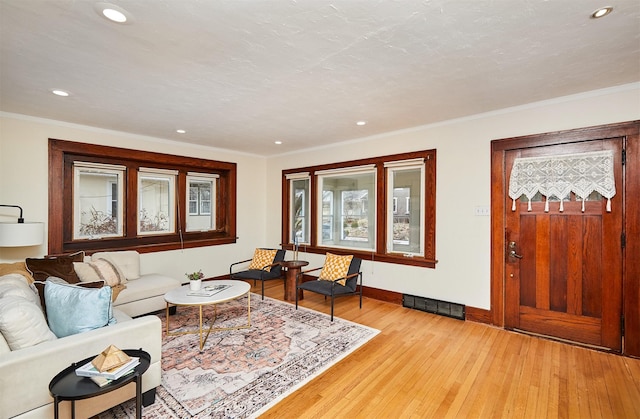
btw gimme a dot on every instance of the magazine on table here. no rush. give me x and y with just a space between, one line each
209 290
88 370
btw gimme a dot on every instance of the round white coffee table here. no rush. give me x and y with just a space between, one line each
211 293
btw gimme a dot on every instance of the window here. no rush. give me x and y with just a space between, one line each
299 225
156 200
201 189
97 201
348 192
381 208
124 199
405 225
327 216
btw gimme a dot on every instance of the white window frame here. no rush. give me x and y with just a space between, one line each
331 214
342 172
202 178
306 203
80 167
398 166
164 175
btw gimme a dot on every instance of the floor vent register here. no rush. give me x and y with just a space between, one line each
443 308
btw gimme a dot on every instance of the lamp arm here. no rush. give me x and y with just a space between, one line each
20 219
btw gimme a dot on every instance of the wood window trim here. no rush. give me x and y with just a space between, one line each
380 255
62 153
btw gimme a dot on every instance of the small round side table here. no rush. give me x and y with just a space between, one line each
69 386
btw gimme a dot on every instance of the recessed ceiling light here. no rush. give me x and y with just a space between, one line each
361 123
278 142
59 92
181 131
112 12
601 12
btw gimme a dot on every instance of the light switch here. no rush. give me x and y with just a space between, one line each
482 210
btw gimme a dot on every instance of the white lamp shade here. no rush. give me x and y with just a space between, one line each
21 234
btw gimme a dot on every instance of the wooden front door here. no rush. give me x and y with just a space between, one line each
564 270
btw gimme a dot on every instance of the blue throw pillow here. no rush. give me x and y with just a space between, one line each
72 309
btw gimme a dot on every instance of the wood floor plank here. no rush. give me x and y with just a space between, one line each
426 366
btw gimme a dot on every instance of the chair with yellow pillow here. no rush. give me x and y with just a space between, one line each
339 276
264 266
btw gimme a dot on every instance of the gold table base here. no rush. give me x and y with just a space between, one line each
211 328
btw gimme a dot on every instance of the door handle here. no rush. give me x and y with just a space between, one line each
512 251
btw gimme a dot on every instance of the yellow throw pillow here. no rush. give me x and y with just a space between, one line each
335 268
16 268
262 258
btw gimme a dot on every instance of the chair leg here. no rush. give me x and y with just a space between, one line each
297 292
262 289
332 298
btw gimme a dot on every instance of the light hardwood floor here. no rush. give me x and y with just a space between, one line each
427 366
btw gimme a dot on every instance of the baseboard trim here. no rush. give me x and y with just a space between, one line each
478 315
473 314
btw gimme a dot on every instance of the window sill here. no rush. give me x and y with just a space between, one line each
374 257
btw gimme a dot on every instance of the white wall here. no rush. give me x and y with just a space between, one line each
24 182
462 274
463 182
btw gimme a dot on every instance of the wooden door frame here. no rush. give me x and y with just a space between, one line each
630 131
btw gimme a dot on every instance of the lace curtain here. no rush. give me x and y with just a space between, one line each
558 176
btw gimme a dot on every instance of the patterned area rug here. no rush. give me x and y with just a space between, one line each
242 373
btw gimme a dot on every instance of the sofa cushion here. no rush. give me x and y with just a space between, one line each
58 266
16 268
16 284
127 261
22 323
4 346
73 309
150 285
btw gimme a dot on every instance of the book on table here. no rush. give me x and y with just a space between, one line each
88 370
208 291
100 381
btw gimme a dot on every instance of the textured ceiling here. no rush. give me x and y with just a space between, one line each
241 74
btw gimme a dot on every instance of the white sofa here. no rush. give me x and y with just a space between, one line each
25 373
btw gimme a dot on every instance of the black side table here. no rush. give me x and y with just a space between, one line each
68 386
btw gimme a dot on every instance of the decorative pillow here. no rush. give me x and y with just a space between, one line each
72 309
16 284
335 268
262 258
99 270
22 323
15 268
58 266
39 286
127 261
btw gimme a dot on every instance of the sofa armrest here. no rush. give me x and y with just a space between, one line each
25 374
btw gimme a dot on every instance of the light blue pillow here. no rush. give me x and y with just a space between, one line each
72 309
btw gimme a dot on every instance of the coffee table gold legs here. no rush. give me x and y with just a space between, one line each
212 321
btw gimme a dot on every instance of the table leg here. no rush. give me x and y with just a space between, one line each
249 309
201 344
167 317
290 285
56 412
139 396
